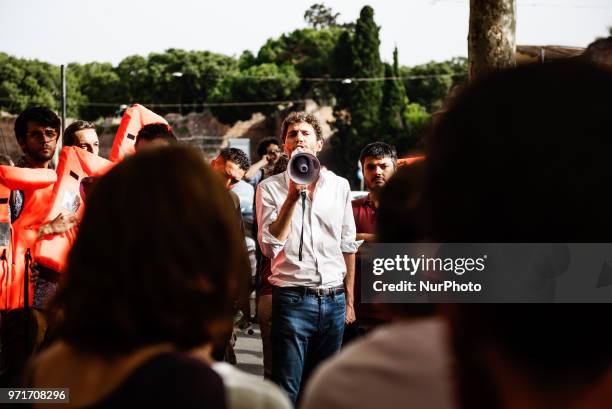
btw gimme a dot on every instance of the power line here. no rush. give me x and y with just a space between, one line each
359 79
195 105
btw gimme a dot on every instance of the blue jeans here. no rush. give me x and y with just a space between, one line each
306 329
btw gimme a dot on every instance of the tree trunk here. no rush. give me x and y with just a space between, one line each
491 41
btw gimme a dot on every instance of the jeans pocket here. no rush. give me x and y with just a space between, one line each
340 300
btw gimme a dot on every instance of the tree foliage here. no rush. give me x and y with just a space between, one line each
27 82
358 105
310 52
264 82
319 16
431 82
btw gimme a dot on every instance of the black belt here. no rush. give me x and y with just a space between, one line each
319 292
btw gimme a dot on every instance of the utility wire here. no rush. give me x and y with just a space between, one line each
359 79
195 105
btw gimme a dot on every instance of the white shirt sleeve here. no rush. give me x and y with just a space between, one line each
266 215
348 243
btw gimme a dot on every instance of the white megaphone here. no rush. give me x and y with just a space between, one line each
303 167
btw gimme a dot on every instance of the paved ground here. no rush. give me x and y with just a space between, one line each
249 350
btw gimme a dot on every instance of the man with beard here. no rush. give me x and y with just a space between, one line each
378 164
312 262
37 130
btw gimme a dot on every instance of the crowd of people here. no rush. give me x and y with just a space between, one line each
143 314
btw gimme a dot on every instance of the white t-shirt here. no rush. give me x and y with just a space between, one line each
400 365
246 391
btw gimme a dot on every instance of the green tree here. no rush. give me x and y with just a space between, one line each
175 77
345 135
136 80
367 95
429 84
264 82
98 84
25 83
357 110
319 16
310 52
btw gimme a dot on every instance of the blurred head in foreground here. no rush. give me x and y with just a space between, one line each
524 156
158 258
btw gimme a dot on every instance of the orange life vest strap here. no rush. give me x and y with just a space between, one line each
134 118
26 178
74 165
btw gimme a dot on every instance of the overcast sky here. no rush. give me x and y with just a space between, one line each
63 31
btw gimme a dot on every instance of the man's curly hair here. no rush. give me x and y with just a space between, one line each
237 156
297 117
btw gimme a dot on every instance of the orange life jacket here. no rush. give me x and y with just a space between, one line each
37 186
74 165
6 241
134 118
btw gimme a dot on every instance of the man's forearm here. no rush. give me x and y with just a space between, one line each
250 174
349 278
281 227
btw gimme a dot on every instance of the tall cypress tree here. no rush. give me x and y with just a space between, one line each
367 94
391 108
345 135
396 130
357 109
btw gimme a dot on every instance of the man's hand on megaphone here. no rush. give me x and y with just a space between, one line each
295 189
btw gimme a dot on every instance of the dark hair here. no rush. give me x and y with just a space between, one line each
297 117
508 163
159 258
40 115
262 147
156 131
378 150
73 128
237 156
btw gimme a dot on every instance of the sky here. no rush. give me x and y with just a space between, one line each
64 31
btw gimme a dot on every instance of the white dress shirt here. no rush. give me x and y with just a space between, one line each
329 231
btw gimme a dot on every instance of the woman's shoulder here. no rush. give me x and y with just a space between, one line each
166 378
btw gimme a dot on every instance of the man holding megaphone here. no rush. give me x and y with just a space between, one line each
306 228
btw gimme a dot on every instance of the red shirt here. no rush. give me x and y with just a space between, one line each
365 215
